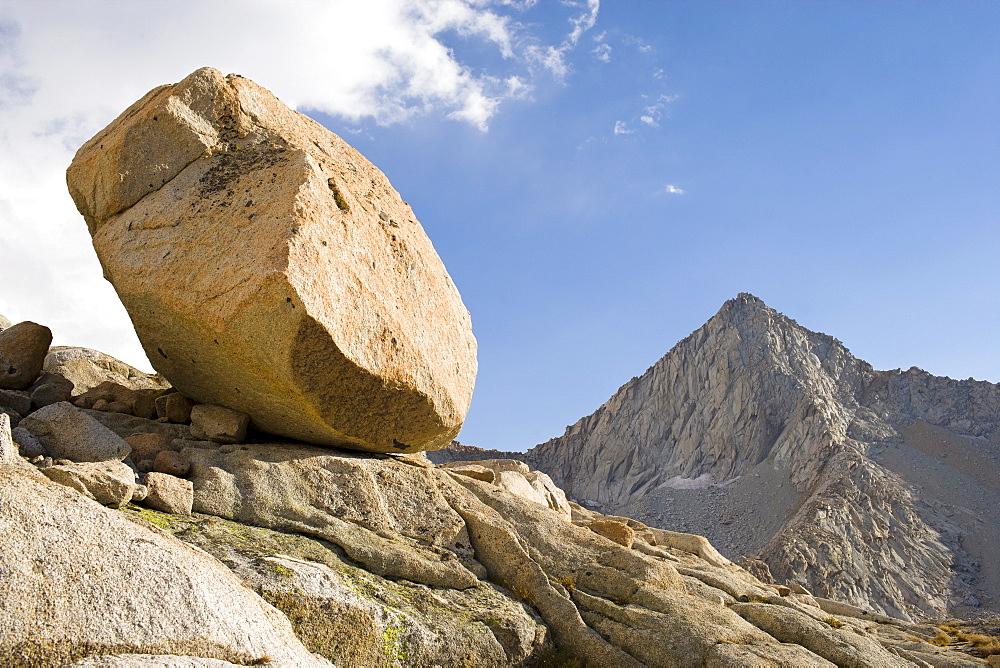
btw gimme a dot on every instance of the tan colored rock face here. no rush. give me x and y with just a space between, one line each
268 267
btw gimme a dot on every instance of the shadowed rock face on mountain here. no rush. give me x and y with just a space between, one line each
269 267
770 438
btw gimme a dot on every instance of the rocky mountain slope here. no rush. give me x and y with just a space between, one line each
881 488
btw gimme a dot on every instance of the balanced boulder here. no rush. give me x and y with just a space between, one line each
270 268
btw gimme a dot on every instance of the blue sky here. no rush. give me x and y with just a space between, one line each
598 178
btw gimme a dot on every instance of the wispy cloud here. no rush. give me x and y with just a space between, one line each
584 21
602 53
553 58
673 190
631 40
621 128
653 113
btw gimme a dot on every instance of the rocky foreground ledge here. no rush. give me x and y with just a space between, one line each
291 554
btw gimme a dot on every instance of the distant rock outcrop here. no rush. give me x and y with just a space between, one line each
268 267
875 487
458 452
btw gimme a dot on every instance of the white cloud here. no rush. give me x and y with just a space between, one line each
653 113
621 128
68 68
553 58
602 53
632 40
674 190
584 21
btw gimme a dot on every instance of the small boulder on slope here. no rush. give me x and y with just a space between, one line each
67 432
108 483
22 353
88 368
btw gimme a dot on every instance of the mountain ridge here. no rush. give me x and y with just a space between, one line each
752 392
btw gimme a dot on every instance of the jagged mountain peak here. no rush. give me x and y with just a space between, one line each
757 323
716 403
752 401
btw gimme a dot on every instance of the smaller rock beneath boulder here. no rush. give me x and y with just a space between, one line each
12 415
219 424
119 407
22 353
67 432
147 446
619 532
17 400
168 493
160 406
176 408
108 483
28 443
50 388
8 450
139 493
173 463
41 461
116 398
144 405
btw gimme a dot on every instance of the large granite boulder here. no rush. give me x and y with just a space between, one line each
270 268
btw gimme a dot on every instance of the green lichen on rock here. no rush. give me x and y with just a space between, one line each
172 523
393 645
354 617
